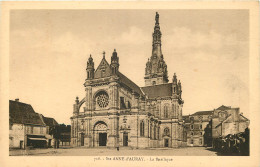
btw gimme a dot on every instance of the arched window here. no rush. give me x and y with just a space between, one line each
166 132
155 132
142 128
154 83
158 133
151 136
166 111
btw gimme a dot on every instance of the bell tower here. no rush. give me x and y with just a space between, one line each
114 62
90 68
156 69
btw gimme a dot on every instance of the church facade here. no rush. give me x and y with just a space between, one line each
117 112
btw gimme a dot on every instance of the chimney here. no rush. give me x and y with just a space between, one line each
17 99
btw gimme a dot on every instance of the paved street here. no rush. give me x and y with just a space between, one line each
81 151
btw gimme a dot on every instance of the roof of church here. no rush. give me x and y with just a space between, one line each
203 113
129 83
23 113
161 90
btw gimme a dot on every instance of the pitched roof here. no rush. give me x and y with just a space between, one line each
129 83
50 121
224 107
229 119
103 69
203 113
23 113
161 90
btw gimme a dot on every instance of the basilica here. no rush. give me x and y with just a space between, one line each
118 113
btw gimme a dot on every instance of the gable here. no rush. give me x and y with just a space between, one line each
242 118
103 70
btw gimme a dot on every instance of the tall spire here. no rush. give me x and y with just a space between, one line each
156 68
157 52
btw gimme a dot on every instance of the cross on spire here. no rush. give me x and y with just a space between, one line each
104 54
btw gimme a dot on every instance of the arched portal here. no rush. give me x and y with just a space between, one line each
100 132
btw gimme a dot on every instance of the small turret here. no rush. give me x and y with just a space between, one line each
114 62
76 106
179 88
90 68
148 67
77 100
174 84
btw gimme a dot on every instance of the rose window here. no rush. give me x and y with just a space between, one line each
102 100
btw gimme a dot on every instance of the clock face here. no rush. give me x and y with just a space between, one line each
102 100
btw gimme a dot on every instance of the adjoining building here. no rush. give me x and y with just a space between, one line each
65 132
204 127
26 127
50 124
117 112
198 128
227 120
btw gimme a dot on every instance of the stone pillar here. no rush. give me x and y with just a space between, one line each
88 132
89 99
180 112
159 108
142 105
113 124
174 136
113 96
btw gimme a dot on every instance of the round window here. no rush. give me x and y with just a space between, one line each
102 99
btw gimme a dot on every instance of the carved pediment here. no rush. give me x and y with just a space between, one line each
103 70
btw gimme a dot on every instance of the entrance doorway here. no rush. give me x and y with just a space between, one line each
125 139
82 139
102 139
166 142
21 144
49 143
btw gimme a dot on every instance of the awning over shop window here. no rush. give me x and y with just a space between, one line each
37 138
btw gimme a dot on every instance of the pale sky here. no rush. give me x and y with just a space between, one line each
208 50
